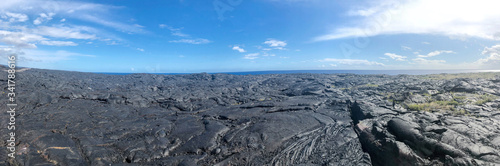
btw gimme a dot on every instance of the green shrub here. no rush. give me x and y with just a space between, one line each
485 98
434 105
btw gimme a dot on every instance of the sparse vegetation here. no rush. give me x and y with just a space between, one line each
459 97
452 105
432 106
448 102
485 98
345 89
485 75
461 112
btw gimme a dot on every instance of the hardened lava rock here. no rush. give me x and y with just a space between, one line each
73 118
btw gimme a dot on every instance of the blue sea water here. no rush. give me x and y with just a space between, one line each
387 72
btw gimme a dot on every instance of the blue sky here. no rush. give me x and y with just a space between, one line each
184 36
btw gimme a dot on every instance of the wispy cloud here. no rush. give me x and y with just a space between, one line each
43 17
406 48
267 54
185 37
78 10
140 49
24 24
238 48
422 61
51 56
444 17
435 53
396 57
15 17
352 61
174 31
251 56
19 39
58 43
127 28
191 41
64 32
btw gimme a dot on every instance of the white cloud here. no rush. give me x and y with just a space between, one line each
493 60
174 31
435 53
266 54
117 25
50 56
83 11
64 32
23 35
20 39
140 49
58 43
406 48
423 61
239 49
191 41
275 44
185 37
352 61
445 17
426 43
396 57
251 56
43 17
15 17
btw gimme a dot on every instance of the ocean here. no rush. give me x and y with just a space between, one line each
387 72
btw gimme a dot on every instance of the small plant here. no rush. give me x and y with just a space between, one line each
485 98
459 97
448 102
434 105
460 112
345 89
417 107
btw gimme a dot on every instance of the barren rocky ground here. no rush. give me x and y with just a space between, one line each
73 118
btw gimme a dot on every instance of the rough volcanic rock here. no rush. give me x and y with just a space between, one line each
73 118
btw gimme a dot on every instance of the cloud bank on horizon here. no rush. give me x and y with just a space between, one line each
460 19
189 36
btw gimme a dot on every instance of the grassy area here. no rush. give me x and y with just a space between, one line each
433 106
485 98
485 75
453 105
